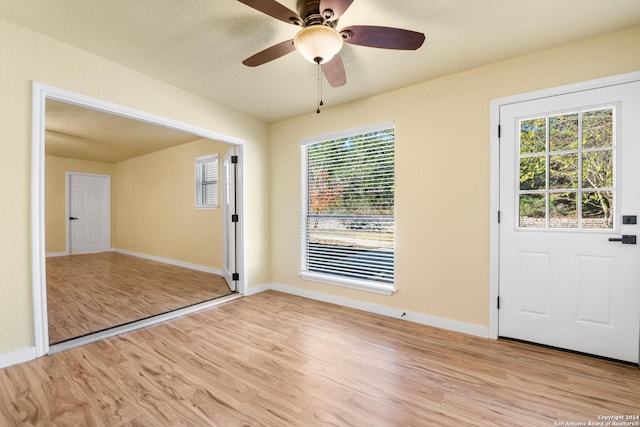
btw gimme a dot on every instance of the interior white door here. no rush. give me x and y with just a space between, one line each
89 213
569 183
230 219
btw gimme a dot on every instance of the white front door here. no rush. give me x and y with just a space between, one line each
89 213
569 183
228 212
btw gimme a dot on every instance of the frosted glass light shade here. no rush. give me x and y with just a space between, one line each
318 43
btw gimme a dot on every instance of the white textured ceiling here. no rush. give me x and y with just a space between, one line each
198 45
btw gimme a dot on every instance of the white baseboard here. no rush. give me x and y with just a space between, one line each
17 356
53 254
257 289
438 322
169 261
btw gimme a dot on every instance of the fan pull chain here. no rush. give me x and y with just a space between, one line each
320 102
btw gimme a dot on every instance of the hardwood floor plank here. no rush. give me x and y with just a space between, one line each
279 360
68 406
91 292
24 410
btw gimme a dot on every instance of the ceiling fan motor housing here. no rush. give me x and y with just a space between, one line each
308 7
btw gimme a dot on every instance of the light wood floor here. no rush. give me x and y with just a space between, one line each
278 360
91 292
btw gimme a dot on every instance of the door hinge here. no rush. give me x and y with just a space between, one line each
234 159
498 217
498 303
499 131
234 218
235 277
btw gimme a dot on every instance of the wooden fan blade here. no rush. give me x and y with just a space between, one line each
275 10
270 53
382 37
338 7
334 72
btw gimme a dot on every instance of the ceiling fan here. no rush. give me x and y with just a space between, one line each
320 42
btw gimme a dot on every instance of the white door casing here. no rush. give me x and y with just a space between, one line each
41 93
89 208
229 226
572 288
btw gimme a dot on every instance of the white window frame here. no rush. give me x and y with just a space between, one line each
199 184
360 284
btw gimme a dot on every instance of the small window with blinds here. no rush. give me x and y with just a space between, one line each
348 209
206 168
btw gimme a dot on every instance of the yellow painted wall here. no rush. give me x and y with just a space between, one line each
26 57
442 173
55 182
154 206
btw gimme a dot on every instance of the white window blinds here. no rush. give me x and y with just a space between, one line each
206 168
348 207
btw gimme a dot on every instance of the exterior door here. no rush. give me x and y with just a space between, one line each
229 223
89 213
569 197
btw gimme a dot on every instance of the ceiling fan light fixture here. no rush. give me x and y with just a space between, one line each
318 44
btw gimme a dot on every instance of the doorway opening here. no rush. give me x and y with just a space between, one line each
162 256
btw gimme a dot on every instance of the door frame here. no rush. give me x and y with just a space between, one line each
228 252
40 93
67 207
494 180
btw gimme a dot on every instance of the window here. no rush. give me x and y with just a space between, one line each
567 168
207 181
348 224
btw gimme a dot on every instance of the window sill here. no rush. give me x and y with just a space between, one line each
207 208
362 285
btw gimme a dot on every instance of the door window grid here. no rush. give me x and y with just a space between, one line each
567 169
